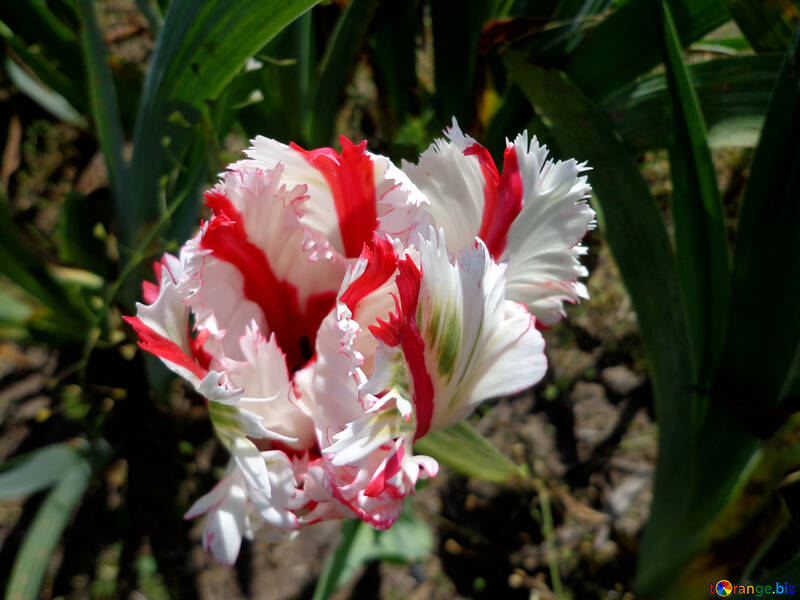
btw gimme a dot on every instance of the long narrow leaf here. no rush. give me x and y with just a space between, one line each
336 64
767 24
408 540
201 47
103 101
463 449
635 232
394 50
601 64
25 269
457 27
37 470
764 326
44 533
700 238
51 101
733 92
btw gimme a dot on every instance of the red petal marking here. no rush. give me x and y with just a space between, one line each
394 463
350 176
149 292
157 267
294 329
362 514
202 357
402 330
164 348
502 197
381 263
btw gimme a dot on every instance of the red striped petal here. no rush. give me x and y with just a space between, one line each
502 197
156 344
294 328
350 177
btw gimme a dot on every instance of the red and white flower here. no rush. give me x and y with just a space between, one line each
532 216
334 309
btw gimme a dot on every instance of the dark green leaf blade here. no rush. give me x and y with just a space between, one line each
336 65
601 64
733 92
700 237
103 102
24 268
463 449
767 24
456 30
761 341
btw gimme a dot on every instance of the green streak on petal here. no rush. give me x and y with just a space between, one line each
448 344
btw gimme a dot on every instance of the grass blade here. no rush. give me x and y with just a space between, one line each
336 65
44 533
463 449
103 102
700 237
601 64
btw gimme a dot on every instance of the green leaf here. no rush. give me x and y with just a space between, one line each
103 101
700 237
286 73
601 64
767 24
37 470
465 450
21 266
733 94
75 231
759 348
201 47
37 23
151 12
761 340
408 540
51 101
44 533
335 66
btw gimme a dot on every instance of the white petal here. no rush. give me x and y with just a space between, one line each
543 242
267 389
225 526
454 185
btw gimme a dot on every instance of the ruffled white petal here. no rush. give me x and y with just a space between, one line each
543 245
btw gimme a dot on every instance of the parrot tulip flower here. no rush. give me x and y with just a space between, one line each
334 309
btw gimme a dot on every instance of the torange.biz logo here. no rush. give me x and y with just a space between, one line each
725 588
